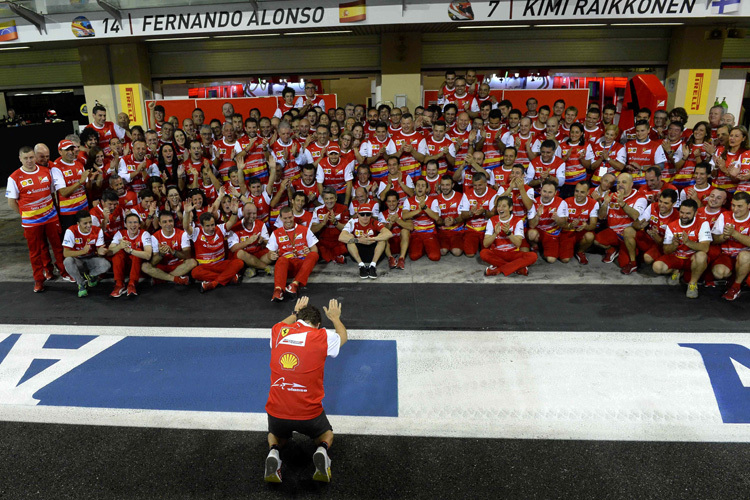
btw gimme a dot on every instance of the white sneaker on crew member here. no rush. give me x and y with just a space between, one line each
322 465
273 467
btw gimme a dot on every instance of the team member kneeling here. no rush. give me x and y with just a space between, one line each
502 240
686 243
299 348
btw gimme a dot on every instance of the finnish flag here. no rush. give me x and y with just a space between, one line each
725 6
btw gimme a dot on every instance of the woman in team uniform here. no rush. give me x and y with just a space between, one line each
726 156
696 149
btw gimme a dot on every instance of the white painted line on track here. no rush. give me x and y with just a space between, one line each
536 385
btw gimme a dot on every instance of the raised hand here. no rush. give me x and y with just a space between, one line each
333 311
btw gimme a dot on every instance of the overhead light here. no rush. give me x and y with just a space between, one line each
567 25
175 39
318 32
494 27
647 24
247 36
17 94
16 48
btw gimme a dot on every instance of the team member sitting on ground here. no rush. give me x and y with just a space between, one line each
732 232
294 248
583 214
502 240
453 208
417 208
331 218
130 247
171 253
209 240
366 239
551 217
84 250
248 241
393 219
686 244
620 210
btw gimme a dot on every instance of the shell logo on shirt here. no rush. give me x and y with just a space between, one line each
27 182
572 211
288 361
283 239
632 151
68 173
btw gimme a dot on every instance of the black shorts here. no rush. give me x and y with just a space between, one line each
367 252
282 428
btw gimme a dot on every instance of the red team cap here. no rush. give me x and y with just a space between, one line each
333 149
65 144
366 208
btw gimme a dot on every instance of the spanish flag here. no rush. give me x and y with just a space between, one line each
8 31
351 12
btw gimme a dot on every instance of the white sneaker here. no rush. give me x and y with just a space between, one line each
322 465
273 467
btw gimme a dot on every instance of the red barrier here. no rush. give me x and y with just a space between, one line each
572 97
431 96
183 108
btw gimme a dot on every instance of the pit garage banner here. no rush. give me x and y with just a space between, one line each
289 16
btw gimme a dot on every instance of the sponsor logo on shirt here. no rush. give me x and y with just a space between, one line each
289 386
27 182
68 173
295 339
632 151
283 239
288 361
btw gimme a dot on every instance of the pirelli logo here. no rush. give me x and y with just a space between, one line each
130 103
696 96
697 91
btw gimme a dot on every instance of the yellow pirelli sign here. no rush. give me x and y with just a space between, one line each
131 102
696 98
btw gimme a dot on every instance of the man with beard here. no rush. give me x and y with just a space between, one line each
686 244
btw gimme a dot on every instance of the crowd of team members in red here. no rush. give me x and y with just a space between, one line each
469 175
